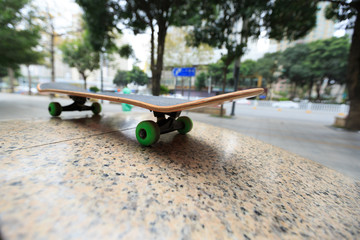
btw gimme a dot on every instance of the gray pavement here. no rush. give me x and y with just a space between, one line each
308 135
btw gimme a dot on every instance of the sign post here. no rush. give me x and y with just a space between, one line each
184 72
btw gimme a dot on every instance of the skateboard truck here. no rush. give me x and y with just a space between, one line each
148 132
55 108
168 124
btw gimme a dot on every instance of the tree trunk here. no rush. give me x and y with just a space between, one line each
353 77
243 40
84 78
294 91
11 78
269 91
152 56
310 88
29 78
318 89
156 73
223 91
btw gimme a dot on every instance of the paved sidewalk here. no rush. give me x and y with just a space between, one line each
88 178
334 148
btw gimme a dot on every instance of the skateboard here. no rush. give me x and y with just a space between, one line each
166 110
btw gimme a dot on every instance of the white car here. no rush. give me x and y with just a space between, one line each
243 101
285 104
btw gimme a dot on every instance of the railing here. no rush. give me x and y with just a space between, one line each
336 108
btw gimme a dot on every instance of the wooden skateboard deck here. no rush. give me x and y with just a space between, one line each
154 103
166 110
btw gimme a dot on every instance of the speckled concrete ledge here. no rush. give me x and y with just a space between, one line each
89 179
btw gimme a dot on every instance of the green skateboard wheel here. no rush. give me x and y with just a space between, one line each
96 108
147 133
188 124
54 109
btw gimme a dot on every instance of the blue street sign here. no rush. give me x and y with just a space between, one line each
184 72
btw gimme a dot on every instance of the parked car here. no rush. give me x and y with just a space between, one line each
285 104
243 101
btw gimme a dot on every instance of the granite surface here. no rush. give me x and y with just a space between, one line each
88 178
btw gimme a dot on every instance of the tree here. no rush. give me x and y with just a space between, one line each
103 17
17 44
221 18
349 12
32 56
327 59
78 53
215 72
136 75
220 31
126 51
200 81
305 64
120 78
295 67
179 54
248 68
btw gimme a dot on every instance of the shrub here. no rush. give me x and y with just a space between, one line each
94 89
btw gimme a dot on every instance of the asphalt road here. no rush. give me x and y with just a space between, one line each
308 135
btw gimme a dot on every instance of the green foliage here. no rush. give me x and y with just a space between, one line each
290 19
94 89
179 54
215 71
126 51
294 63
316 60
248 68
281 19
164 89
340 11
268 67
283 99
120 78
136 75
78 53
101 21
17 45
3 72
200 81
10 11
329 58
306 64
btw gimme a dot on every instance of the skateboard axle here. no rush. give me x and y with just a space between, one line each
169 124
77 105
